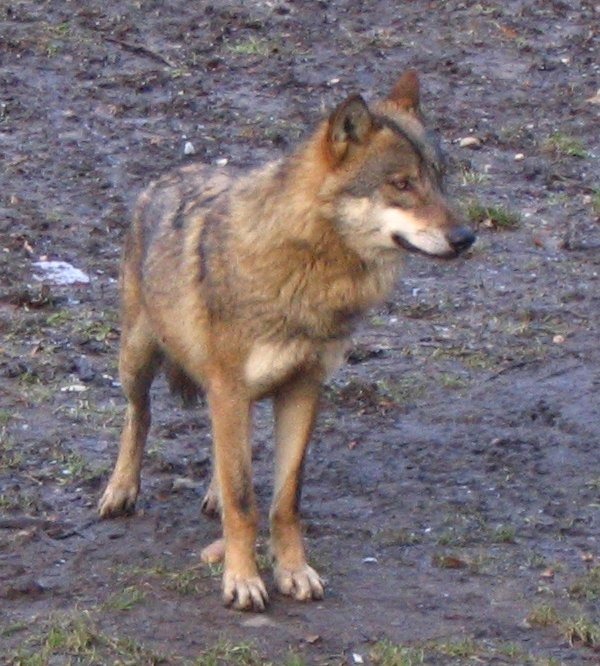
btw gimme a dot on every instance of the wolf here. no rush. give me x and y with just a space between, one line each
248 286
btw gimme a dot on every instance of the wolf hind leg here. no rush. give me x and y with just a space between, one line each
139 361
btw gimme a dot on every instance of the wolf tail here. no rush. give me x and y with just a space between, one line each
181 384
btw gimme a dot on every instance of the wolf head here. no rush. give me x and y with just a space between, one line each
386 177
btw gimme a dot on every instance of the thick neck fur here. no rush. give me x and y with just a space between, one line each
291 262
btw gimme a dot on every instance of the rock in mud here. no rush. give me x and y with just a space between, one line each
21 587
84 369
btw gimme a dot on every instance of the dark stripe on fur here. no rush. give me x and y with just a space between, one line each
244 495
179 216
429 152
210 220
212 237
298 494
398 129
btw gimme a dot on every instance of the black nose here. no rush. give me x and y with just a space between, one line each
460 239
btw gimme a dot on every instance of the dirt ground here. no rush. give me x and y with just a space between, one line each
452 496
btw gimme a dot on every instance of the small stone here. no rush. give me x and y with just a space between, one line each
188 148
558 339
84 369
469 142
222 161
59 272
183 483
519 157
74 388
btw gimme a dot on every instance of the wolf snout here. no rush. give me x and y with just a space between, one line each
460 239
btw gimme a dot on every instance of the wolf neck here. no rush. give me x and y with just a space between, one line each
291 260
289 206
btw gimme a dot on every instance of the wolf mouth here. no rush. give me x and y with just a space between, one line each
413 249
406 245
463 241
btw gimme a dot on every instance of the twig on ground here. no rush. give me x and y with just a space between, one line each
141 50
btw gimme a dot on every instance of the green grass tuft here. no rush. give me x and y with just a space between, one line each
560 143
588 586
385 653
493 217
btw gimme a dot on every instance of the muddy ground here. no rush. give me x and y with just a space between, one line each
452 499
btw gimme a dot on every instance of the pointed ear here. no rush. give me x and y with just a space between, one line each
349 126
407 92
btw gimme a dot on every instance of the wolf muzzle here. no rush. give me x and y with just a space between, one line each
460 239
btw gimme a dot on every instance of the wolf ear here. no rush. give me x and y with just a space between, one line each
349 126
406 93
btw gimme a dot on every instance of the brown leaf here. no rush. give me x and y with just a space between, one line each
449 562
509 33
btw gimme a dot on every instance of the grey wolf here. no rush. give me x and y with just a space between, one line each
248 286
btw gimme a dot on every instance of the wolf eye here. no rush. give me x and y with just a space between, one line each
401 184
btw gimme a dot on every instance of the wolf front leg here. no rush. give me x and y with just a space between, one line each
230 413
295 411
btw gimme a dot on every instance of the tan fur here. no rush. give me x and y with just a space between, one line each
248 286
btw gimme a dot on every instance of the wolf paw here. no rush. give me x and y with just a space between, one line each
118 499
244 593
303 583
